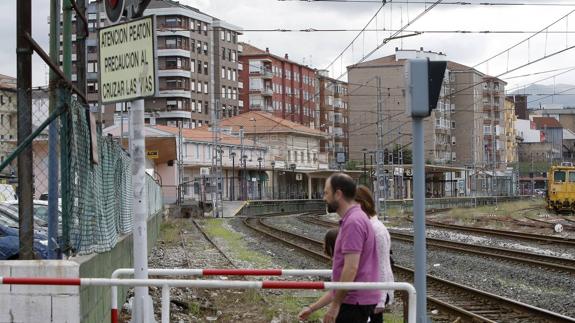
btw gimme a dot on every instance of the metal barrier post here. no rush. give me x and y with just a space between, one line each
165 304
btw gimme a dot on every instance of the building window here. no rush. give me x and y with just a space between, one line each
173 21
206 87
206 108
223 72
193 66
222 35
193 105
92 67
92 87
223 92
206 68
199 106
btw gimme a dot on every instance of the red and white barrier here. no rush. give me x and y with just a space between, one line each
204 272
166 284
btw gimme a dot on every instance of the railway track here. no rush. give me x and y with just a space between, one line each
554 263
461 303
505 234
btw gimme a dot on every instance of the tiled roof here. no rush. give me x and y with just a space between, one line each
267 123
546 122
203 134
250 50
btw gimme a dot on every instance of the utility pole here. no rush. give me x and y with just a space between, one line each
24 103
216 166
532 177
379 155
55 103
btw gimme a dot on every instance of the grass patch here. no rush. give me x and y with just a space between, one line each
169 231
235 242
194 308
516 209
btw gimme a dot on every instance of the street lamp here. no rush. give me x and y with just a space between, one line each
260 177
293 167
273 163
244 184
233 156
364 166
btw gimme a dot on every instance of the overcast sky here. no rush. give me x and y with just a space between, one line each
320 48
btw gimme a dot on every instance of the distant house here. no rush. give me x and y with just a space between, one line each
553 133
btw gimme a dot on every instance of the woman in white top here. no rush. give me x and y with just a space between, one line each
364 197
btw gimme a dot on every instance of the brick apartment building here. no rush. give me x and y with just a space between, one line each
277 85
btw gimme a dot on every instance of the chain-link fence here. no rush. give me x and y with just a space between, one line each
95 200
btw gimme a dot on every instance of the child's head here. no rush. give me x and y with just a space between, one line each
329 242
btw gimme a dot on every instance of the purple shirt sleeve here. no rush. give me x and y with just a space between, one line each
353 238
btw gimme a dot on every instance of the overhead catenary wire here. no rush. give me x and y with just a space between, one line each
448 3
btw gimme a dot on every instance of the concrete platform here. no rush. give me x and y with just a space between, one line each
231 208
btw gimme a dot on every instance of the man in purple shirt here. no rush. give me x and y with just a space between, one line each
355 257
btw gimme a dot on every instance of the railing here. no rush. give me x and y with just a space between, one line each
166 284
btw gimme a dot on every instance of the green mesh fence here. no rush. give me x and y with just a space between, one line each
100 194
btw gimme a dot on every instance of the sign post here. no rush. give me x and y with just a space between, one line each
127 73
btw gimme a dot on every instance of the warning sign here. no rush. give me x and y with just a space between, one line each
127 65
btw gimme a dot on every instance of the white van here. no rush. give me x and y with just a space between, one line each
7 193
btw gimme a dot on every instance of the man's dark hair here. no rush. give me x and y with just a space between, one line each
344 183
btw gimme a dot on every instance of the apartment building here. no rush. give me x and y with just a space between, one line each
277 85
479 118
8 118
466 129
332 118
197 66
363 116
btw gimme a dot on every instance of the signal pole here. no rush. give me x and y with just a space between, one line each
423 84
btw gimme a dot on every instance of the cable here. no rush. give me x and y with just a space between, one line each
449 3
356 36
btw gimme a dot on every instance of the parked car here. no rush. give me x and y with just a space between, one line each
10 211
10 243
539 192
7 192
40 210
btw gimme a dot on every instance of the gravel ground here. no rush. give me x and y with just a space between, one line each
475 239
189 249
541 288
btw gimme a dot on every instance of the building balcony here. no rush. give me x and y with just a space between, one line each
173 52
267 74
179 114
174 92
267 91
174 72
